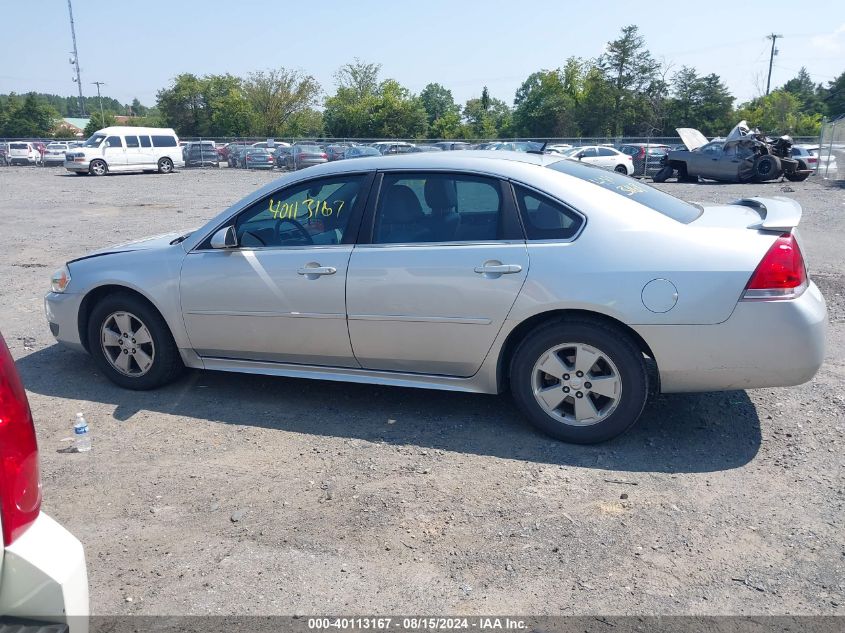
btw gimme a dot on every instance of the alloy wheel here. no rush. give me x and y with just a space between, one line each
576 384
127 344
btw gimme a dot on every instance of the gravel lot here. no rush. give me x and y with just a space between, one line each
235 494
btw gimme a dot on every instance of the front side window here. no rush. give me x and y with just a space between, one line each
712 148
114 141
589 152
131 141
312 213
418 208
544 218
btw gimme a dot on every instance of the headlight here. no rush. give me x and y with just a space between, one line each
60 279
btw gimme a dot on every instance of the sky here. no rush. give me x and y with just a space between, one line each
137 48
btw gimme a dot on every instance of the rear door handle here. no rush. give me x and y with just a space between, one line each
316 270
498 269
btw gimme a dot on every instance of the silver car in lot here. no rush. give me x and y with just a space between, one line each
580 290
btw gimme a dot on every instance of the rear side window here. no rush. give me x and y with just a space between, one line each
131 141
145 141
544 218
622 185
164 141
420 208
603 151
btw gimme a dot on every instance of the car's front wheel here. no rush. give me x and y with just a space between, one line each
130 341
581 381
98 168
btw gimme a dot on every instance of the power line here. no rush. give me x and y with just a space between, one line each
774 37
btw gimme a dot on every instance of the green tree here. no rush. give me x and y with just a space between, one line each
348 113
97 122
438 103
398 113
596 106
630 69
277 95
834 97
780 113
487 117
137 108
182 105
543 107
31 116
808 93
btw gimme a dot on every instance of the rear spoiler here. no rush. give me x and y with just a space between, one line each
776 214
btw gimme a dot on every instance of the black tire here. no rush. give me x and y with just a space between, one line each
793 177
663 175
613 344
766 167
166 364
683 174
621 169
98 168
165 165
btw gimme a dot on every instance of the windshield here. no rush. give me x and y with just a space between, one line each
94 141
650 197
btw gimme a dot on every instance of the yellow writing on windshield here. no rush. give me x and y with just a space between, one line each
315 208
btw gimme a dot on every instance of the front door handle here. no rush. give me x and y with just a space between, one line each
498 269
313 270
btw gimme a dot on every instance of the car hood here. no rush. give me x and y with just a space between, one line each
144 244
691 137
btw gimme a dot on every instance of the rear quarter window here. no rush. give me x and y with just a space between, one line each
164 141
627 187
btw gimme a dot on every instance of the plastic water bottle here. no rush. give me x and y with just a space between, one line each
81 434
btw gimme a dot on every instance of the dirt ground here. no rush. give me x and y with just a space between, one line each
235 494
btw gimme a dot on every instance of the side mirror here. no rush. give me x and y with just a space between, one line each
580 155
224 238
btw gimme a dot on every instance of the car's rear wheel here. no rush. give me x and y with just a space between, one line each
98 168
580 381
621 169
130 341
793 177
165 166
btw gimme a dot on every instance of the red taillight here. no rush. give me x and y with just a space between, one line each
781 274
641 153
324 156
20 484
812 159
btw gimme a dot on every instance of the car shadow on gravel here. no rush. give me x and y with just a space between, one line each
676 434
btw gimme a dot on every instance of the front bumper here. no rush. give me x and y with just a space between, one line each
44 576
72 165
762 344
62 310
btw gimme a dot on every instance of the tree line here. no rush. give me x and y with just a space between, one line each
623 92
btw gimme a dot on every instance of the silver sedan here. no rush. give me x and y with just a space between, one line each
581 290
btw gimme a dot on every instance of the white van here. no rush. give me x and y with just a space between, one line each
126 149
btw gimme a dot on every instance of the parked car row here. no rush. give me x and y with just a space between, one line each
35 152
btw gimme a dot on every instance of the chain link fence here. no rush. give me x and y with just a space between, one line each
831 152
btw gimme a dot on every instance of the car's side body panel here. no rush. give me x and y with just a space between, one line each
442 330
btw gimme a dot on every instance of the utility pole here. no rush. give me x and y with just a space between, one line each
75 60
100 99
773 37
